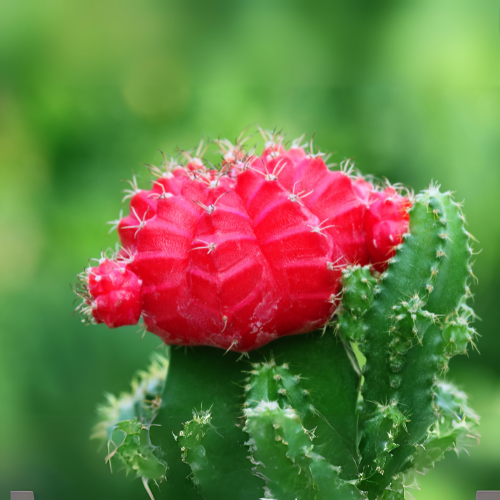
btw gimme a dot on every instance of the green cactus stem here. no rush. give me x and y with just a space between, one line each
125 423
415 324
300 418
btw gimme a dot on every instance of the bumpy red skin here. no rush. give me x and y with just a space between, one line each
264 263
386 219
116 293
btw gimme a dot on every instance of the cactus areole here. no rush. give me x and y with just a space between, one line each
276 245
237 256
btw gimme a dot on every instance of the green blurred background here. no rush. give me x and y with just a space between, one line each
91 89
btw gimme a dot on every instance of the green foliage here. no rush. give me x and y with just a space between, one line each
454 429
290 422
141 403
378 438
411 331
125 424
284 455
133 448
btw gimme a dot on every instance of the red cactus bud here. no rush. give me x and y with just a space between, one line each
239 256
115 294
386 221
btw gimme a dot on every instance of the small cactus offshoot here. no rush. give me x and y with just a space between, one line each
272 246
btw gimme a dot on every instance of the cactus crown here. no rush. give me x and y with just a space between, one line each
294 420
239 255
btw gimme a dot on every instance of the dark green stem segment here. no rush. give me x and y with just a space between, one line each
414 325
311 377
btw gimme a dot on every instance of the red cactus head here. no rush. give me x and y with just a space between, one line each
237 256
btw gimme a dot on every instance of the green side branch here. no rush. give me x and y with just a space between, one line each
455 430
284 456
125 423
269 382
416 322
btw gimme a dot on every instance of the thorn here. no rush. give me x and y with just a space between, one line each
115 223
320 227
210 208
297 143
366 282
142 329
129 193
142 223
334 298
209 181
198 155
444 236
146 487
311 153
234 343
331 266
347 167
296 197
162 195
474 277
471 237
169 166
273 176
224 320
209 246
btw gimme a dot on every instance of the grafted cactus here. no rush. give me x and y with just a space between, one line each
352 410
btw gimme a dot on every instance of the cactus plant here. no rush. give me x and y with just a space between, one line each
367 289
